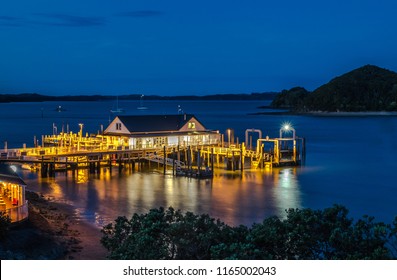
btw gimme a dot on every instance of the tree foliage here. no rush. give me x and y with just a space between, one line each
5 222
304 234
165 234
292 99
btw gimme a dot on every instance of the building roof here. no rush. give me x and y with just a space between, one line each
150 123
10 176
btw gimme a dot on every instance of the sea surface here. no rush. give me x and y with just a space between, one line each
350 161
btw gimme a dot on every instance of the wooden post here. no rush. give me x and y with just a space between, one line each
52 169
173 161
98 167
294 150
233 167
66 166
208 157
189 158
43 168
242 157
212 160
198 162
185 154
164 160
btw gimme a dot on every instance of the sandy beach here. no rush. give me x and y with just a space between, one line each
49 233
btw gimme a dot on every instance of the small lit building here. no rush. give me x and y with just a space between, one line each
12 194
156 131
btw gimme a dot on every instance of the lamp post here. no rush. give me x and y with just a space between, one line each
287 128
228 137
81 130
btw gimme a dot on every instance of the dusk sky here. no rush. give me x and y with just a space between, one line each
189 47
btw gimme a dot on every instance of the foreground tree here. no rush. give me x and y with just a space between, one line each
164 234
5 223
303 234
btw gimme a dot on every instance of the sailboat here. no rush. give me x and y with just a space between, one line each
141 107
117 110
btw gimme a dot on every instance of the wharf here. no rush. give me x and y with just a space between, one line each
68 151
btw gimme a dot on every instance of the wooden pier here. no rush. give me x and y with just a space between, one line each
69 151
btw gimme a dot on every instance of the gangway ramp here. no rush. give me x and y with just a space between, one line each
166 161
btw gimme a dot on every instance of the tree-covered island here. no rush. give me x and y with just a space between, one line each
368 88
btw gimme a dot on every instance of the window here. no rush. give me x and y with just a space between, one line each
118 126
191 125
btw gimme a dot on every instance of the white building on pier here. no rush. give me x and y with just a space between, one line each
156 131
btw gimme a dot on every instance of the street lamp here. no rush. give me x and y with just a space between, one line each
81 130
287 127
228 136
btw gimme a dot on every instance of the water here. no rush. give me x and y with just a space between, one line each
350 161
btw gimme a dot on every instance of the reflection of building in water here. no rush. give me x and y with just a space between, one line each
12 194
82 176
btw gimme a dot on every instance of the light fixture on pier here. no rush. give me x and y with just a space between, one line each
287 127
228 136
81 129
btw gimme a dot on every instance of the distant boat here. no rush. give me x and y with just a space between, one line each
141 107
59 109
117 110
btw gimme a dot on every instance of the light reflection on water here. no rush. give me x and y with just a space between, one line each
234 198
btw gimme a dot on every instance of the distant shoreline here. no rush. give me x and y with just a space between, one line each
352 114
34 97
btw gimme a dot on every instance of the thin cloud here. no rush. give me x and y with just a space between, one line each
141 14
69 20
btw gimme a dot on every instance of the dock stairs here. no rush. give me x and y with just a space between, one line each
168 161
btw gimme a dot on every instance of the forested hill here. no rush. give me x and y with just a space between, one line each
368 88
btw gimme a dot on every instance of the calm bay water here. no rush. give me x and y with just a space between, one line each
350 161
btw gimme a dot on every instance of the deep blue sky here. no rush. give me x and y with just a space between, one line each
189 47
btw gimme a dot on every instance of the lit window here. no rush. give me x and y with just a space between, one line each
118 126
192 125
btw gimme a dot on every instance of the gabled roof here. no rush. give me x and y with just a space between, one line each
150 123
10 176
